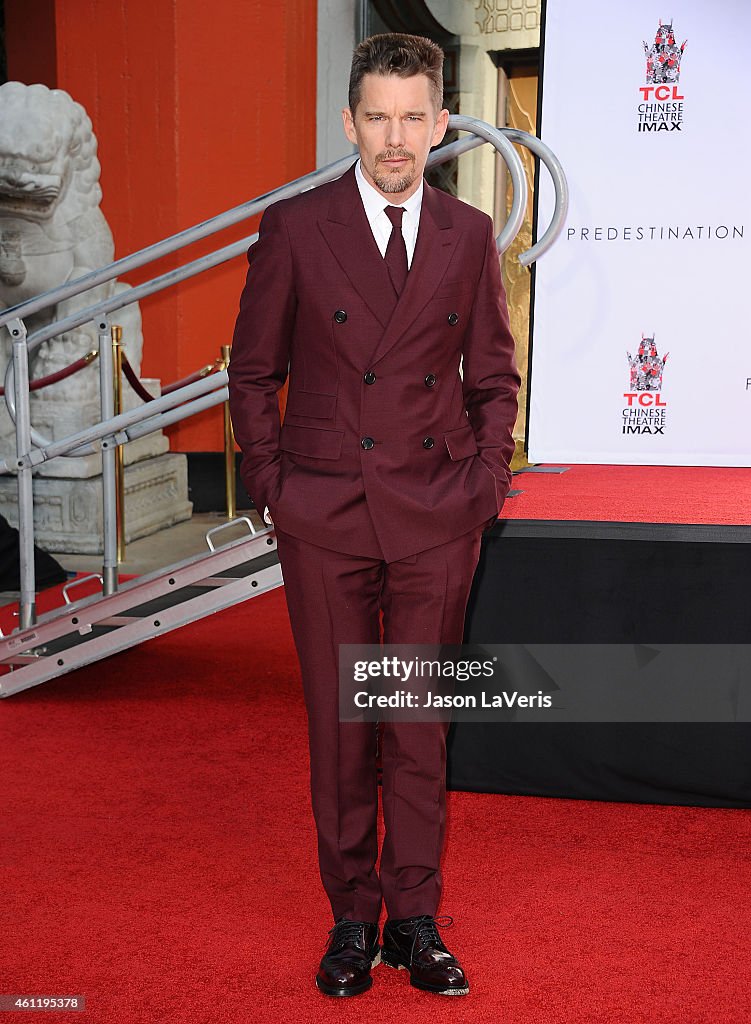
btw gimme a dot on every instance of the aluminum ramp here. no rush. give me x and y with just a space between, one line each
82 632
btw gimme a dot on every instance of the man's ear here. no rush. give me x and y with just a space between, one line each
441 125
349 125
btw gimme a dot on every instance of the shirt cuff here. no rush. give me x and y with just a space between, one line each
267 517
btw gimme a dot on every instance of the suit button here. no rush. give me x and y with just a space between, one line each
428 442
453 318
370 377
340 316
367 443
430 380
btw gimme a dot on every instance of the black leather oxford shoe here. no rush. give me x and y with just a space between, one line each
415 944
352 951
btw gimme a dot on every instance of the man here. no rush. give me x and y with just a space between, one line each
368 292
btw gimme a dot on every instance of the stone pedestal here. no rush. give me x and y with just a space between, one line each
68 513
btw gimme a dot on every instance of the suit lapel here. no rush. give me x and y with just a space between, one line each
348 235
436 239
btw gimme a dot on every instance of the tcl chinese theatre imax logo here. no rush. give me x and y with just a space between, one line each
661 107
645 411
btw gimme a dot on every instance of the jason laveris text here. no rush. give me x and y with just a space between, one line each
409 699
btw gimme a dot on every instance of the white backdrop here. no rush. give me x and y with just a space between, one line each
656 240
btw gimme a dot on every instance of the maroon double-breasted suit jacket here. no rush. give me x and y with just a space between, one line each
386 449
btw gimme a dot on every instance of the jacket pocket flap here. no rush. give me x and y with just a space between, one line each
309 403
457 287
314 441
461 442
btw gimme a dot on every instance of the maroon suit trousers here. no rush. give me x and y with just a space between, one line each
335 598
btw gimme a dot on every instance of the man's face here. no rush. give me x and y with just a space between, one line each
394 126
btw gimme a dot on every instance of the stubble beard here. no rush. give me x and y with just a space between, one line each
391 182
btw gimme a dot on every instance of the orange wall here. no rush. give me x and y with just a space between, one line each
197 107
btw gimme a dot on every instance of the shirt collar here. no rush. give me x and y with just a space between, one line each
376 203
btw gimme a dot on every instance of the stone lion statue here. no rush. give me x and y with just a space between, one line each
51 231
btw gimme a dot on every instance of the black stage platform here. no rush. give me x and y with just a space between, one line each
583 582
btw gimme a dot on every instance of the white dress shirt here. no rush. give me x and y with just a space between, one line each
375 204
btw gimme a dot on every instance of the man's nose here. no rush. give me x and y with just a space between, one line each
395 134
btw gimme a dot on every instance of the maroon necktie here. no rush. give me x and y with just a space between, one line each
396 250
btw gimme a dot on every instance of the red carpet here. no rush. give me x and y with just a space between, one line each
158 857
635 494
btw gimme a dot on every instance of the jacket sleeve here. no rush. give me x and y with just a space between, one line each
490 377
260 357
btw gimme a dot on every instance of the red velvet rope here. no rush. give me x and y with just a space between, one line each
130 375
53 378
143 394
191 379
132 378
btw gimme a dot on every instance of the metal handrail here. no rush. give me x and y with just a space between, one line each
560 186
180 240
111 427
245 211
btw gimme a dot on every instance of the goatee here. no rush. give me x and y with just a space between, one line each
391 184
394 181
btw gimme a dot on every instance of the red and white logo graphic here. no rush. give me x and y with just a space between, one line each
646 366
645 410
664 57
661 106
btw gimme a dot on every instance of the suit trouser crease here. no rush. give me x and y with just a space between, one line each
334 598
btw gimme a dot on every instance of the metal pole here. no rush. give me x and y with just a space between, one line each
109 471
229 448
117 381
27 601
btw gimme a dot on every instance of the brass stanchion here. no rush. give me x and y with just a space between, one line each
117 371
229 448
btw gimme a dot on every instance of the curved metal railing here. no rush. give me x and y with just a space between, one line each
245 211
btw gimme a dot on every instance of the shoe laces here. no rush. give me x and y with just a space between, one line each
425 930
345 932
